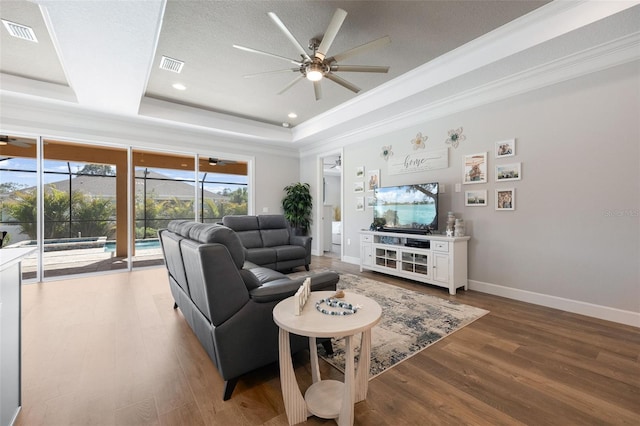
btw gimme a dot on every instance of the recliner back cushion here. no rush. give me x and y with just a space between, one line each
173 257
274 230
275 237
181 227
241 222
247 229
272 221
207 233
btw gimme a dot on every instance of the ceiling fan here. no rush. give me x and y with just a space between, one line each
220 162
15 141
336 165
317 66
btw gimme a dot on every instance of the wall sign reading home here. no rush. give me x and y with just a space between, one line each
418 162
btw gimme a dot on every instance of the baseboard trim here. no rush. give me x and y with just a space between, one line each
351 259
574 306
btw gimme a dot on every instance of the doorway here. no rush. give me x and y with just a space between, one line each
331 227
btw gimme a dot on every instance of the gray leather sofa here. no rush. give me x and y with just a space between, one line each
270 242
226 301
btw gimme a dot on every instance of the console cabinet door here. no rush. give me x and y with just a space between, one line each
441 267
366 254
366 250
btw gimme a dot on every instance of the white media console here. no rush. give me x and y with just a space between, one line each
432 259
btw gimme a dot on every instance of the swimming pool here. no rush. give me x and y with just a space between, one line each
154 243
61 244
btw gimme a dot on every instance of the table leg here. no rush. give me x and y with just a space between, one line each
294 403
364 364
313 354
346 412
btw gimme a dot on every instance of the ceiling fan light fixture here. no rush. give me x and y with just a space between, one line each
315 72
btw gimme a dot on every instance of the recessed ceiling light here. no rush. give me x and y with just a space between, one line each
285 124
179 86
292 115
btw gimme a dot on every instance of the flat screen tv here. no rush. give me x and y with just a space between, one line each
407 208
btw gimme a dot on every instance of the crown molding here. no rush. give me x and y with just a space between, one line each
598 58
543 24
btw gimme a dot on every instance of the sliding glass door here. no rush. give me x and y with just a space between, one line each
164 190
84 205
18 198
100 207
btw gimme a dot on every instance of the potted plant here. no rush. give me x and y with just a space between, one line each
297 205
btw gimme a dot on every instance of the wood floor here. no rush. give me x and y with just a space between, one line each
111 350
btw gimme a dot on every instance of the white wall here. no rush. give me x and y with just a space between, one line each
573 240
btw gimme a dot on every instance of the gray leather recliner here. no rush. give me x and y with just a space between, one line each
227 302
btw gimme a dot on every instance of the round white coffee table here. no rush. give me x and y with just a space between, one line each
328 399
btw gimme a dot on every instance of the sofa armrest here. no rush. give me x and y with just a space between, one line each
285 287
275 290
300 240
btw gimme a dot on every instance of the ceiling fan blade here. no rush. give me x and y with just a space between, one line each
291 84
331 32
342 82
259 74
375 44
317 90
249 49
359 68
16 141
290 36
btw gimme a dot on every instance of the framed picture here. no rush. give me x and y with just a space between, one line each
475 168
506 172
358 186
373 179
506 199
360 172
371 201
359 204
475 198
506 148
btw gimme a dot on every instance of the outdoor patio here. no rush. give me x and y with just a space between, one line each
87 260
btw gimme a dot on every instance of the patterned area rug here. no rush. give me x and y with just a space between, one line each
410 322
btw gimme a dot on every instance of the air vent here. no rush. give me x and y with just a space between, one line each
170 64
20 31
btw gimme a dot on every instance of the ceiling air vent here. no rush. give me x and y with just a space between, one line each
20 31
170 64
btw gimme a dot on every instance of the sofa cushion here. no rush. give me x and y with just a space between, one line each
250 239
272 221
255 276
289 253
275 237
241 222
173 258
181 227
261 256
247 228
266 275
208 233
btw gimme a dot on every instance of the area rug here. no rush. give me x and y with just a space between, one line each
410 322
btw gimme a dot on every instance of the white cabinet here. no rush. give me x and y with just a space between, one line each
10 333
441 267
366 251
432 259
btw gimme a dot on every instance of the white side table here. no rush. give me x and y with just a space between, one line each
328 399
